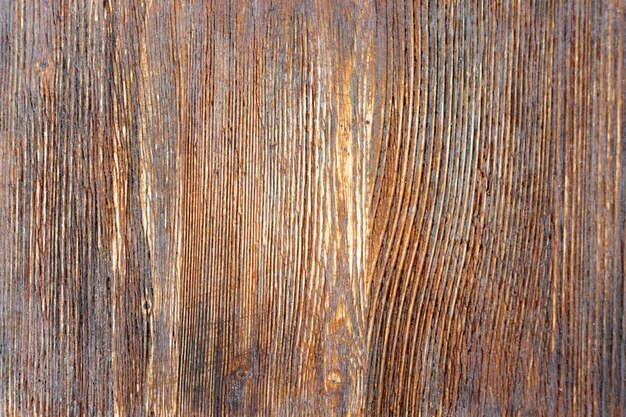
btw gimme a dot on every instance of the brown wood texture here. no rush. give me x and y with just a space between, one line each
329 207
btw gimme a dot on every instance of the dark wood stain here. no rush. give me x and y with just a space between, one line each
312 208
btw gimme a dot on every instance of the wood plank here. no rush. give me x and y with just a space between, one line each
312 207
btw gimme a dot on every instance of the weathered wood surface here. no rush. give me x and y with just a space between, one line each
312 208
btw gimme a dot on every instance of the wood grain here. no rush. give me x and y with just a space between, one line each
312 207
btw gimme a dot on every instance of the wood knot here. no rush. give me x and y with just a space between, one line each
147 307
42 67
334 381
242 374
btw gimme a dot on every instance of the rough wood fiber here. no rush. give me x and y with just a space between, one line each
312 208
